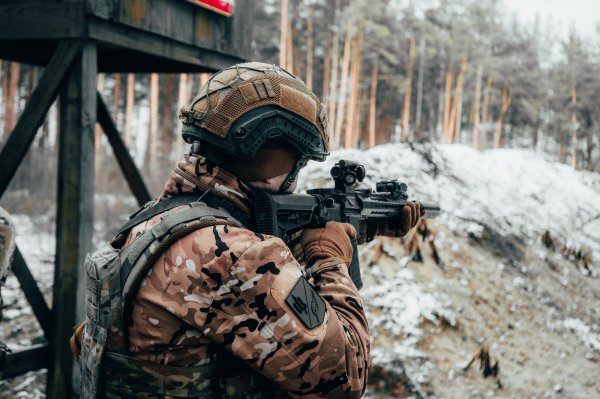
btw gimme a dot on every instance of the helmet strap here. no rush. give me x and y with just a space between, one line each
289 180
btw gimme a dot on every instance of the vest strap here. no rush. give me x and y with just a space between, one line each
124 373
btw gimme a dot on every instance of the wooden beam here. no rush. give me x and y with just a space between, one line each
74 217
27 19
170 52
21 361
32 293
130 171
35 111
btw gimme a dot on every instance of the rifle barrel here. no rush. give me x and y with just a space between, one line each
430 210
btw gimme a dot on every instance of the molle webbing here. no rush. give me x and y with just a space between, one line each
153 242
124 375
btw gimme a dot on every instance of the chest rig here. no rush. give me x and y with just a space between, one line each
113 276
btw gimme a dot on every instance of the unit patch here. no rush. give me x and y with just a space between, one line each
306 303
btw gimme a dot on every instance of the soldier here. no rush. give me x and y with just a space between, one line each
220 311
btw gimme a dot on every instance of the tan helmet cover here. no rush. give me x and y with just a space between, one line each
234 91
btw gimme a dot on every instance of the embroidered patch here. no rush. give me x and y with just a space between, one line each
306 303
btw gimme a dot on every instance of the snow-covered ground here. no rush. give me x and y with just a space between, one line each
536 306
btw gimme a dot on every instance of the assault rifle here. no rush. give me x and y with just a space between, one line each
284 215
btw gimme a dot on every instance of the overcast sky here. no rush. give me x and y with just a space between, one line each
583 14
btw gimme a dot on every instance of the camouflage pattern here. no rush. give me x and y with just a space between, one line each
225 288
107 308
210 318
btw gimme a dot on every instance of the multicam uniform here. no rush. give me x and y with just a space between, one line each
226 287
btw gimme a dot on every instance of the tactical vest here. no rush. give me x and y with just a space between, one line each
113 277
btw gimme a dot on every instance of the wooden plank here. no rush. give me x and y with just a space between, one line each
173 56
130 171
32 293
168 18
21 361
35 111
26 19
74 217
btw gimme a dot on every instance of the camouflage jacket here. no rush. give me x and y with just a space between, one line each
227 287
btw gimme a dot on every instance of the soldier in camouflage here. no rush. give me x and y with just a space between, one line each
224 312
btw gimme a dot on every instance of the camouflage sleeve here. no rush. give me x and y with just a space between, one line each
312 340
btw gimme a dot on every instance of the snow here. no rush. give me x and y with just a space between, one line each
513 191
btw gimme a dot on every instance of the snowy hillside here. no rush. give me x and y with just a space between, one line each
533 303
535 306
512 191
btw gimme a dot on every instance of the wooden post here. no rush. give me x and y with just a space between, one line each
35 111
74 218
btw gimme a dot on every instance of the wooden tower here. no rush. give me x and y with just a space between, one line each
74 40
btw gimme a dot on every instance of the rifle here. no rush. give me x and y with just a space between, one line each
285 214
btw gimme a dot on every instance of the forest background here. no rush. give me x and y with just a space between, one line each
448 72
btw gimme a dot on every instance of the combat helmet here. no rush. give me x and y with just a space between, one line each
243 108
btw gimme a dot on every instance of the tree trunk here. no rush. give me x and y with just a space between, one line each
418 121
456 112
333 81
439 125
506 99
476 105
574 126
116 98
309 50
562 145
290 46
153 133
351 106
283 38
129 100
447 97
373 103
535 130
339 119
9 107
408 92
167 117
487 94
98 131
589 151
326 70
356 128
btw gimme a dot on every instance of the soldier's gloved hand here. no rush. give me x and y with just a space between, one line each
331 241
411 214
